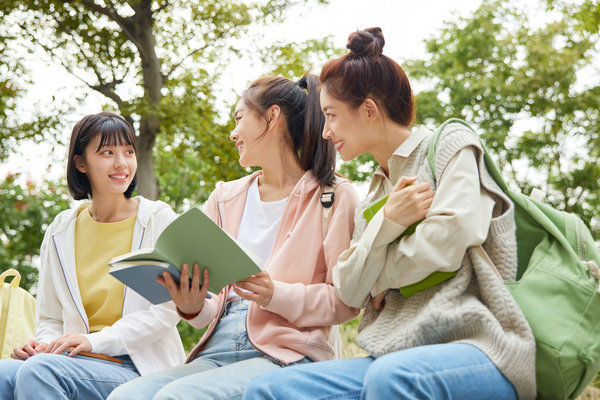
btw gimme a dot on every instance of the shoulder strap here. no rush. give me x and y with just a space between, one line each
489 163
327 199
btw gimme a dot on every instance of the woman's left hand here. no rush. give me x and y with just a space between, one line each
74 341
259 288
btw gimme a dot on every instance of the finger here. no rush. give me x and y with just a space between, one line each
19 354
63 347
246 295
205 283
168 282
196 277
246 285
27 348
421 187
184 279
403 182
75 350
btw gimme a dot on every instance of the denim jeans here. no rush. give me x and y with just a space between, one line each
221 371
443 371
54 376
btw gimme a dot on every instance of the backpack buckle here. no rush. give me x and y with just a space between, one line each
327 199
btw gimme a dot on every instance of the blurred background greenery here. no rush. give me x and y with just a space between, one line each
529 84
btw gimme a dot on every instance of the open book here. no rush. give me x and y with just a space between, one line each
191 237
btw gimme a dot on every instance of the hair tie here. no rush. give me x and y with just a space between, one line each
302 83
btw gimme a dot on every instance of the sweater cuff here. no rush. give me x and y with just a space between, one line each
279 303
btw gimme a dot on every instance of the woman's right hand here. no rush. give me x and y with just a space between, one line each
188 299
28 349
408 202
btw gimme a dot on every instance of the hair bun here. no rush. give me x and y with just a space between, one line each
365 43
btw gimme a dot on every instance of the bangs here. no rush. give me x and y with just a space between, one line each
114 132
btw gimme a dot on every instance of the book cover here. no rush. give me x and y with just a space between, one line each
191 237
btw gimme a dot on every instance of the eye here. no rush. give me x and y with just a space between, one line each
130 152
328 115
105 152
237 119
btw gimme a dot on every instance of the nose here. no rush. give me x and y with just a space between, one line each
120 160
234 135
327 134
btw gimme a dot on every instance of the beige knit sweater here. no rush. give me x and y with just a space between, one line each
473 307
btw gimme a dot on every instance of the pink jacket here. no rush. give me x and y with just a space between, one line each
298 320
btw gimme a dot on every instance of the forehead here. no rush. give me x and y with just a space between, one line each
240 106
330 102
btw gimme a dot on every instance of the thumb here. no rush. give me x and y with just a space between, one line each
403 182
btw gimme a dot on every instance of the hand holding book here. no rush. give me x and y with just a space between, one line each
187 296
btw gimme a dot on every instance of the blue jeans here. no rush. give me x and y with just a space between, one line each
221 371
443 371
55 376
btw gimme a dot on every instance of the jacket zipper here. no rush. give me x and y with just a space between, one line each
60 260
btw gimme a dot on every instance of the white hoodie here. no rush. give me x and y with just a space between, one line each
145 332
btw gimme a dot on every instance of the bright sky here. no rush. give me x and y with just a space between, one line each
405 25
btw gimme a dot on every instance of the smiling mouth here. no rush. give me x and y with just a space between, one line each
240 146
119 177
338 145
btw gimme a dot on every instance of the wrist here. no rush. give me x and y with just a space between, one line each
187 316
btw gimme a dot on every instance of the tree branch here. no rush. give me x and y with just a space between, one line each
159 9
125 23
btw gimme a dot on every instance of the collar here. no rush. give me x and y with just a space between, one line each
405 149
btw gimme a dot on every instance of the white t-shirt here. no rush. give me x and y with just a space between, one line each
259 225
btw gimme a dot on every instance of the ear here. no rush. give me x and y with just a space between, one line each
79 164
273 114
371 109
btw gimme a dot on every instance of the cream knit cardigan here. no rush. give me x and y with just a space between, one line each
473 307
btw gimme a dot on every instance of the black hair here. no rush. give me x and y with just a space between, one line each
114 130
299 103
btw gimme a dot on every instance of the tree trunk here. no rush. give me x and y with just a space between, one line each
153 82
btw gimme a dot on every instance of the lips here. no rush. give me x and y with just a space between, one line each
119 177
338 145
239 146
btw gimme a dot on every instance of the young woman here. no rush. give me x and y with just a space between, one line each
284 314
465 338
80 308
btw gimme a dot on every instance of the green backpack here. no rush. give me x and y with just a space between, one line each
557 288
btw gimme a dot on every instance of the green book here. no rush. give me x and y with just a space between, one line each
191 237
430 281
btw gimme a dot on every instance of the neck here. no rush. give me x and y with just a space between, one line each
389 137
107 208
279 177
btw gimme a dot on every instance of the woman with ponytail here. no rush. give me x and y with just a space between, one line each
464 338
287 313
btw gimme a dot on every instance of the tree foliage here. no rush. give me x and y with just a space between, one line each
529 91
155 62
27 211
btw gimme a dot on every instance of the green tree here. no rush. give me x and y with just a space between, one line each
27 212
156 62
529 91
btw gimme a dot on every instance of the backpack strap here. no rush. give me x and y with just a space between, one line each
489 162
327 199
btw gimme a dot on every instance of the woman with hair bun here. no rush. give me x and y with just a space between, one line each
286 313
463 338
